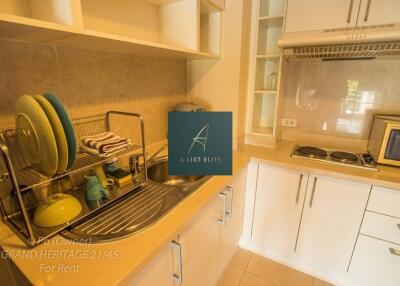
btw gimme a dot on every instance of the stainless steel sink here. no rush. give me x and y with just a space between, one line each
158 172
139 209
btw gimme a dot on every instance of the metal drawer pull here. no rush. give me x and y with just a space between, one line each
222 220
350 10
367 11
394 251
313 191
298 188
177 277
230 190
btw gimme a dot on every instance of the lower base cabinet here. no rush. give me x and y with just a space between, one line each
308 222
200 253
375 263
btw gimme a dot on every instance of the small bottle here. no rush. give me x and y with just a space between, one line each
271 81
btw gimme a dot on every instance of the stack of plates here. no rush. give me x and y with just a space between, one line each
45 133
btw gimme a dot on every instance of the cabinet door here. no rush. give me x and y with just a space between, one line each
158 272
201 247
332 216
374 264
311 15
378 12
278 205
233 228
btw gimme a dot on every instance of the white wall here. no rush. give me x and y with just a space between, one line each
219 83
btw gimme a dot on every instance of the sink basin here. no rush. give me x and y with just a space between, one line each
139 209
158 172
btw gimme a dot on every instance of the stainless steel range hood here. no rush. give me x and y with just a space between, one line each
341 44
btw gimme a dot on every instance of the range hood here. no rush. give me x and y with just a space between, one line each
345 43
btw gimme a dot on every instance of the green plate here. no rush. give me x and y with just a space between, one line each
67 125
58 130
35 135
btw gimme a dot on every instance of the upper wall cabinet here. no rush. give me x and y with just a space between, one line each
379 12
172 28
310 15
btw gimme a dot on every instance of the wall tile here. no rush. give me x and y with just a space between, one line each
92 82
340 98
25 68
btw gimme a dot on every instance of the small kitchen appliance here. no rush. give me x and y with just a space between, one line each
384 139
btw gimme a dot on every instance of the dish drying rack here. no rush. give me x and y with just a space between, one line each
18 171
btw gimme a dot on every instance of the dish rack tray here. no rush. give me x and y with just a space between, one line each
18 174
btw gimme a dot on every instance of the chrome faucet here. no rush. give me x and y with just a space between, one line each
162 148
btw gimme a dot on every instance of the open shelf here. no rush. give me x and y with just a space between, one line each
263 113
264 69
172 24
268 36
271 21
271 7
35 20
210 28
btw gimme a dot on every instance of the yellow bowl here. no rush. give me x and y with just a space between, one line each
57 209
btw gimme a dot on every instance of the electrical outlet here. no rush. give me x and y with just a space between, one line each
287 122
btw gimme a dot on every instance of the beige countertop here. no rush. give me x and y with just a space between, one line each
112 262
118 261
386 176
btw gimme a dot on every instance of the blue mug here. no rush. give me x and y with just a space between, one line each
94 188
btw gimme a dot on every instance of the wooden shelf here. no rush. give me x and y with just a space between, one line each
269 91
271 21
269 56
156 28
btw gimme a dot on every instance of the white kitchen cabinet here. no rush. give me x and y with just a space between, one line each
201 247
332 215
233 228
277 211
373 263
309 15
159 271
379 12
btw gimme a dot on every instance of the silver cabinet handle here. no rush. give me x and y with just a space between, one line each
350 10
178 276
230 190
313 191
299 188
394 251
222 220
367 11
398 225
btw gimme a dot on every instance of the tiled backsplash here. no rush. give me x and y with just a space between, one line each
339 98
90 82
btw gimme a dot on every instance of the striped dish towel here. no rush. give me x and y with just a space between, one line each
104 143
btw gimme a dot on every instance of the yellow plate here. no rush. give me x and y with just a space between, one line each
35 134
57 209
61 139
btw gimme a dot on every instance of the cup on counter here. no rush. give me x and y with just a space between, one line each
94 189
105 182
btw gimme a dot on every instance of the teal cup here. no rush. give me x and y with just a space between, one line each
94 189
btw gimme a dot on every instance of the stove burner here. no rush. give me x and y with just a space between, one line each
311 151
344 157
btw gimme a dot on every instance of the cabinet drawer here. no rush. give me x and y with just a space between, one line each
373 263
384 201
381 226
